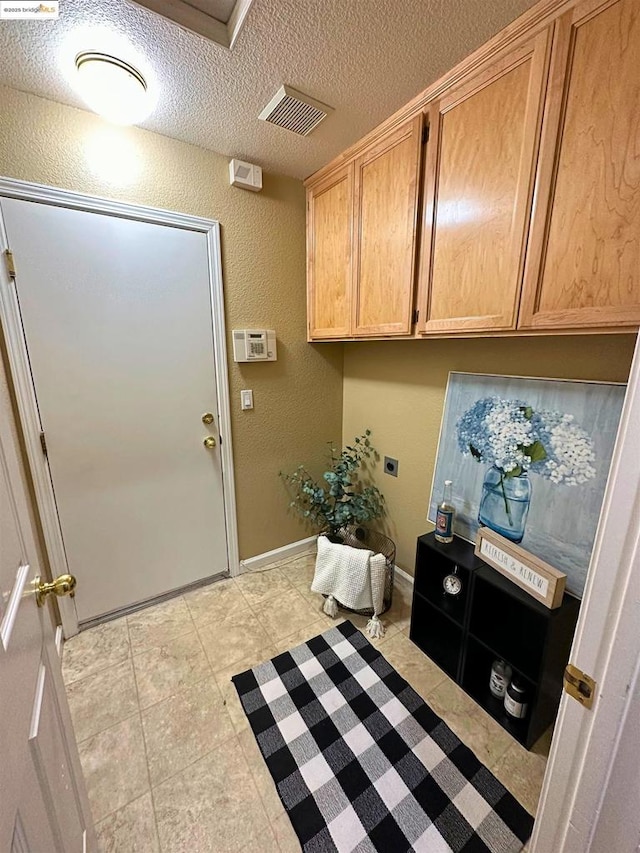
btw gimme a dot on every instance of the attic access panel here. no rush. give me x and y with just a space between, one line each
217 20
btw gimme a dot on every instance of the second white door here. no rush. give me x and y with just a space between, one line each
117 317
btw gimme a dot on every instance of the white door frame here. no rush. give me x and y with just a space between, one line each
23 380
607 647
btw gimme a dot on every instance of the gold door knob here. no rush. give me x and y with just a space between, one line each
207 418
209 442
62 585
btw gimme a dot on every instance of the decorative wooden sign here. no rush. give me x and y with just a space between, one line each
531 574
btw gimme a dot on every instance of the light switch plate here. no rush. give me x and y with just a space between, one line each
246 400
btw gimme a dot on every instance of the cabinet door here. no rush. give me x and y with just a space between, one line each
479 183
329 255
584 262
386 191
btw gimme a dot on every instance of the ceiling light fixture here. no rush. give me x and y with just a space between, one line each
112 88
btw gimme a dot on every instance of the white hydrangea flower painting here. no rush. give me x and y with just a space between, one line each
529 458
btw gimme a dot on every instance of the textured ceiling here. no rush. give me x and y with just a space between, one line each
365 58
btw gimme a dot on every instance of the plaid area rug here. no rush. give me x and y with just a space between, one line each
361 763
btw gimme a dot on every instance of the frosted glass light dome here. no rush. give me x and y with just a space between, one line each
112 88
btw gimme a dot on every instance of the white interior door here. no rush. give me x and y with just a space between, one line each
43 802
590 801
117 317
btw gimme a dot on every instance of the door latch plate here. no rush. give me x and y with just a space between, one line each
579 685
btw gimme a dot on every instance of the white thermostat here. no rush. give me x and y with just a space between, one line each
254 345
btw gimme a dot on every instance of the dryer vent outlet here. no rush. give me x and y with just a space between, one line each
390 466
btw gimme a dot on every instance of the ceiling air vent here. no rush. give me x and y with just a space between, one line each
294 111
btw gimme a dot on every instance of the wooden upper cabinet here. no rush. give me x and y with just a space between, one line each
329 255
361 240
480 171
584 261
386 213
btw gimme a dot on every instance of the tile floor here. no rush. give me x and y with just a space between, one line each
169 759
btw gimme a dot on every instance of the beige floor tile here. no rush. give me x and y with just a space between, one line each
315 599
522 773
361 622
153 626
400 611
403 588
183 728
285 835
265 844
132 829
414 666
103 699
230 640
299 572
473 726
317 603
304 634
217 600
91 651
166 670
230 694
260 586
281 617
114 767
261 776
213 805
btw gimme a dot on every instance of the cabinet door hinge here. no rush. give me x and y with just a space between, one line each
416 315
425 134
43 444
579 685
10 263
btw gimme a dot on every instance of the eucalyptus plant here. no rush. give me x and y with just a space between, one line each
342 499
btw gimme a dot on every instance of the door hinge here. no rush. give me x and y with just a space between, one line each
425 134
43 444
579 685
10 263
416 315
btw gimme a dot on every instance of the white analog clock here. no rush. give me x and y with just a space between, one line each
452 584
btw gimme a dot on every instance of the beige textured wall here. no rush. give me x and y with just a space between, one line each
397 390
298 400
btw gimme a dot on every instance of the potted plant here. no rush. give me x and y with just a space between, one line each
342 500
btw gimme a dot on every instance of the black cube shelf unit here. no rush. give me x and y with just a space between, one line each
490 618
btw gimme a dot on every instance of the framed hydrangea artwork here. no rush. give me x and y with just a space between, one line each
529 458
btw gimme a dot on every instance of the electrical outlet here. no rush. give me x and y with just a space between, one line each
391 466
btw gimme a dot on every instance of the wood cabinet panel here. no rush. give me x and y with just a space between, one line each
386 191
584 264
329 255
473 246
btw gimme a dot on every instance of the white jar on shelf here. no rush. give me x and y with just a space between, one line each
500 677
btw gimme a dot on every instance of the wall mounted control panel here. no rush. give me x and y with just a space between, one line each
254 345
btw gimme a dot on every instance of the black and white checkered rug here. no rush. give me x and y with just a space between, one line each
361 763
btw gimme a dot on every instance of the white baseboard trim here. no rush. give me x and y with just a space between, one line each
404 576
284 553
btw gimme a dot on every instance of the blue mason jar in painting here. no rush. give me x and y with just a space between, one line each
504 505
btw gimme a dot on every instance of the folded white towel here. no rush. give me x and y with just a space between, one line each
354 577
